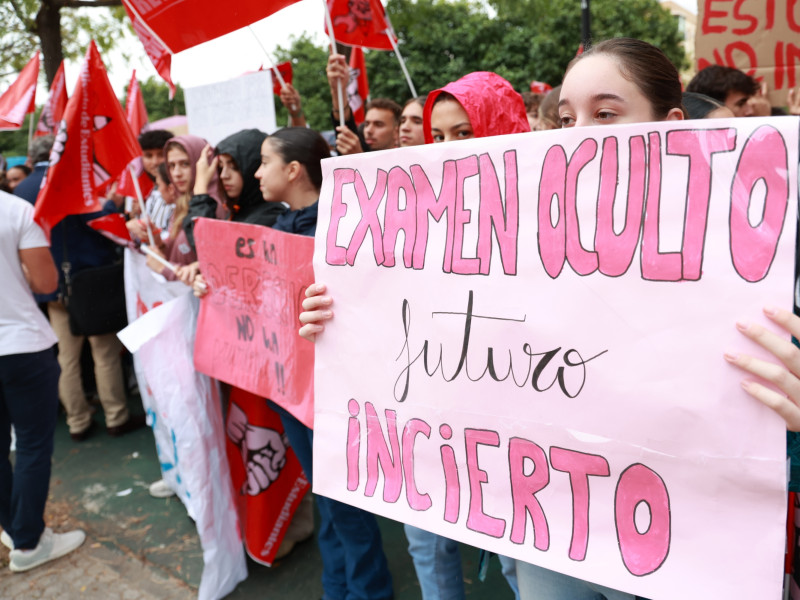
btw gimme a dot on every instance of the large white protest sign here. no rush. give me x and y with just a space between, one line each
188 406
144 291
218 110
527 347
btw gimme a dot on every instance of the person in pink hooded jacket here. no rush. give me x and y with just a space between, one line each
480 104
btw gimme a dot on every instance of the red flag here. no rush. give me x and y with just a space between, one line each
540 87
285 69
361 23
159 54
135 110
181 24
53 110
126 186
358 87
113 227
94 144
136 114
19 99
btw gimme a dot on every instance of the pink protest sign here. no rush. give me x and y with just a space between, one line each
527 347
247 328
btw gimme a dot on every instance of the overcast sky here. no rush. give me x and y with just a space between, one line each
228 56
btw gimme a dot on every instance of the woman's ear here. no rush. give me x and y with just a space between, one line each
294 170
675 114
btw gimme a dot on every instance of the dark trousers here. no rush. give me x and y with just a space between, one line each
354 566
29 401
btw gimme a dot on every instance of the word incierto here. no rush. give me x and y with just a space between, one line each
408 202
642 551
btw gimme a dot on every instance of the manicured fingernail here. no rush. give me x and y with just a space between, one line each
745 385
731 357
742 326
770 311
327 314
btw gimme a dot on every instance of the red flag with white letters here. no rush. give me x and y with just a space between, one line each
360 23
358 87
53 110
181 24
20 98
93 145
159 54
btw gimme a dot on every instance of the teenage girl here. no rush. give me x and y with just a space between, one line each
480 104
182 153
628 81
353 562
237 159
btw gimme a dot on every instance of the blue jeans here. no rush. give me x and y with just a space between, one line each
29 402
437 561
354 566
538 583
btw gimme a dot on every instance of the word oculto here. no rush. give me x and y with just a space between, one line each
409 203
390 451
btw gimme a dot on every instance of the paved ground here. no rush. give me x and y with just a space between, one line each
141 548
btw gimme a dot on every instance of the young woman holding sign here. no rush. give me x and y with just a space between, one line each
353 562
621 81
604 87
480 104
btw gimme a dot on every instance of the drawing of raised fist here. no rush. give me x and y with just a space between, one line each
263 451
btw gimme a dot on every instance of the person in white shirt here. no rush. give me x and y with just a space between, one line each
28 390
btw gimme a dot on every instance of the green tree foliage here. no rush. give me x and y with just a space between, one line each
308 74
442 40
15 143
59 28
155 93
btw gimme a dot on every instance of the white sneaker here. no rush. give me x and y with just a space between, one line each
6 540
160 489
51 546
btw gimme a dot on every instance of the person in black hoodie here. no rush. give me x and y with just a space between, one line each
237 158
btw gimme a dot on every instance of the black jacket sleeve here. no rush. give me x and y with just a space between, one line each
201 205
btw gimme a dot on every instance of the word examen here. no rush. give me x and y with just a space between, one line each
406 200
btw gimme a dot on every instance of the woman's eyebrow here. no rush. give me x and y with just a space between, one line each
595 98
608 96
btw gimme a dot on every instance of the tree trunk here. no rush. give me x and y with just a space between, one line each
48 27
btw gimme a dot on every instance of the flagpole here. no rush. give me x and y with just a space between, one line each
150 252
339 91
390 35
30 131
135 179
271 60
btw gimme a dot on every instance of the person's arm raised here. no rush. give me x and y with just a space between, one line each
290 98
206 168
338 73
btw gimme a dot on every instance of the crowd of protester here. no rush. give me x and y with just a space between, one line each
274 181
